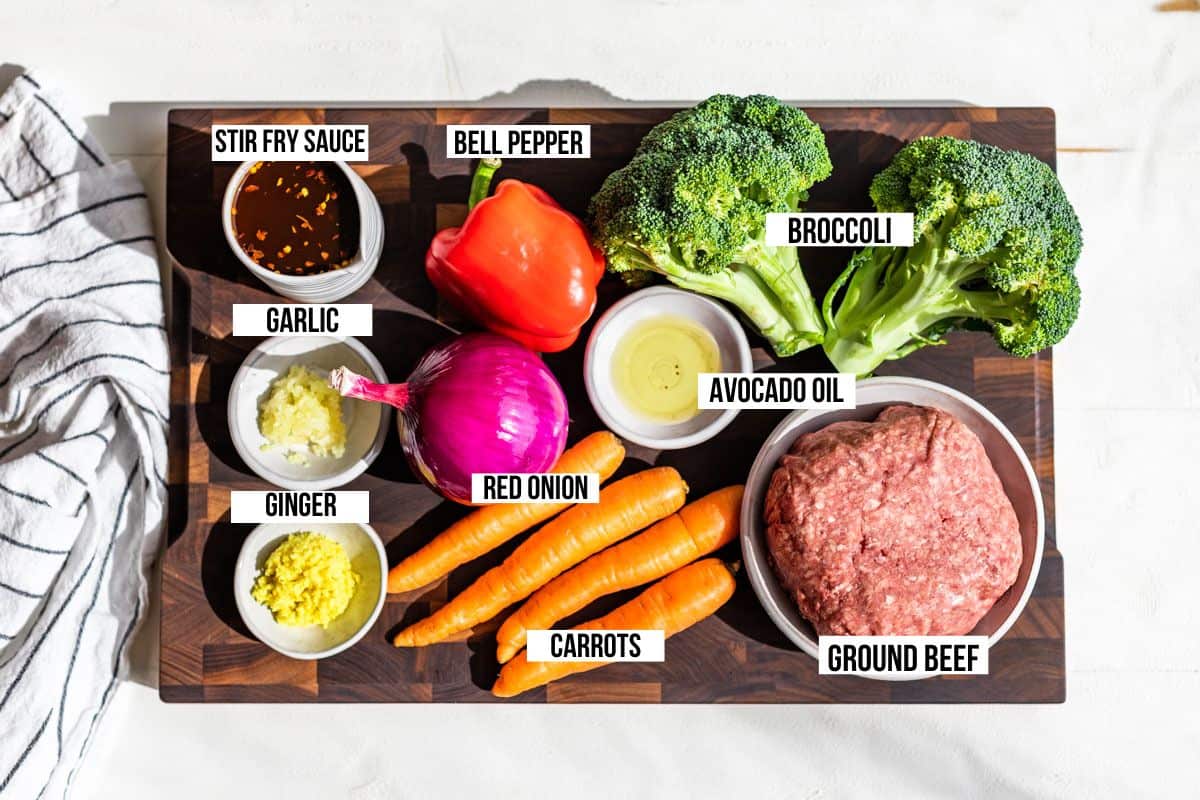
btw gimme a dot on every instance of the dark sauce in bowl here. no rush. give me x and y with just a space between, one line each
297 218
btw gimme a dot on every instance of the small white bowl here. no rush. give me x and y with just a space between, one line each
367 556
873 395
366 423
617 321
326 287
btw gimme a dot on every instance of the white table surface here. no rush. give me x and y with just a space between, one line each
1125 81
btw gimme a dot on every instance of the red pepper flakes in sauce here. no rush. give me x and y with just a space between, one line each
275 196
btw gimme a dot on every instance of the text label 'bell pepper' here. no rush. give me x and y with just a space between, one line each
520 265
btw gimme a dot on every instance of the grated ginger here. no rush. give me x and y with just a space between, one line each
307 580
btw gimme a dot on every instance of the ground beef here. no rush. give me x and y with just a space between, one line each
898 526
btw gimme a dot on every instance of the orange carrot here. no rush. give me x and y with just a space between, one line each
675 603
491 526
626 506
698 529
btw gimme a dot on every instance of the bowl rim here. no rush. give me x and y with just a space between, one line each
277 279
333 480
762 577
247 619
614 421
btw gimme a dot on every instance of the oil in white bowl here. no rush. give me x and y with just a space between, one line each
656 364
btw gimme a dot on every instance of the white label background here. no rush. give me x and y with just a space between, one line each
353 319
845 386
297 151
777 228
509 149
920 642
252 507
526 481
652 644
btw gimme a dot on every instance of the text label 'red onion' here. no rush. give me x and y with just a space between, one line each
840 229
535 487
775 390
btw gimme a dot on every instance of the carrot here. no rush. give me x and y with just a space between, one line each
675 603
696 530
491 526
626 506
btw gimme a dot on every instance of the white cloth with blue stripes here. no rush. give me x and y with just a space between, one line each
83 409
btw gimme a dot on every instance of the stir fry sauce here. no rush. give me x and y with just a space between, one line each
296 218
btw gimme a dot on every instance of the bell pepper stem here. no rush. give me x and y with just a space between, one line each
481 184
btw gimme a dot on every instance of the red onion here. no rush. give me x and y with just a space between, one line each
478 403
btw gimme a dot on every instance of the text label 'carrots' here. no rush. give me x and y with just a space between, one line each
675 603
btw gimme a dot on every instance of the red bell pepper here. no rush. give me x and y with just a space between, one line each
520 265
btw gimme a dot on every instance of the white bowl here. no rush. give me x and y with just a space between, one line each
327 287
366 423
616 322
873 395
369 560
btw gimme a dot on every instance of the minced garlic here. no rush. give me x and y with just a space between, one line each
307 580
301 410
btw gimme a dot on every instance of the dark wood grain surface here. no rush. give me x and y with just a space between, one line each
207 655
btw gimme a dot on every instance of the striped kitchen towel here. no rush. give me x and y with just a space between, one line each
83 413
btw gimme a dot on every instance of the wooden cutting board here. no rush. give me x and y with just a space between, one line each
207 654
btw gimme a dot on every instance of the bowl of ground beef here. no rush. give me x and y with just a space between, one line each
915 513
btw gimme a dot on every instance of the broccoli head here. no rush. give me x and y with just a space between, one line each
692 206
995 245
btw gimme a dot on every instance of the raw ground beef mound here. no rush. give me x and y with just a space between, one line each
898 526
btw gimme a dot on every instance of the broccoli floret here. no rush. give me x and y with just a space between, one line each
692 206
995 246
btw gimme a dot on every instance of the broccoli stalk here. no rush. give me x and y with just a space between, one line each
692 206
995 249
737 285
779 269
